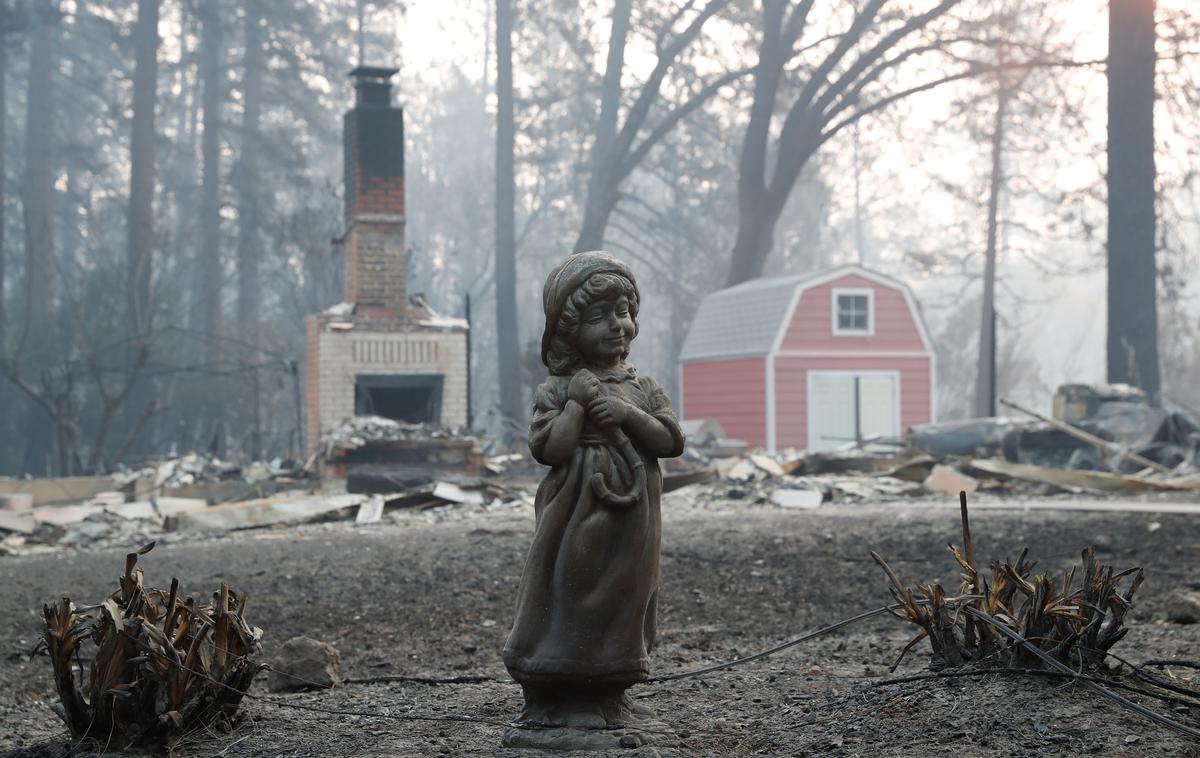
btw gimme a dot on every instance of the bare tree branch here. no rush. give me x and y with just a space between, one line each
672 119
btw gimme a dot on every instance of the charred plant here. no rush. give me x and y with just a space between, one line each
161 665
1074 622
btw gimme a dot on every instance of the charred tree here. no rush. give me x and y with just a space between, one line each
140 254
836 95
249 291
5 16
37 192
507 337
1132 298
37 196
601 188
248 185
6 24
141 176
985 379
619 145
206 307
205 313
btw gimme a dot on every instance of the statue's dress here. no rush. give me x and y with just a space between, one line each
586 611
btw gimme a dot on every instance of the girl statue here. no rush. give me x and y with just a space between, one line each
586 609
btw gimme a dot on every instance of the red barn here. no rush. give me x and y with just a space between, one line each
811 361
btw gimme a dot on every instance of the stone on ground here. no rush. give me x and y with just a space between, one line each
1183 607
304 663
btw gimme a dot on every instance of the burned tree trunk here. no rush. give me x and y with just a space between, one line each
249 218
620 145
1132 315
840 90
206 309
755 232
249 221
985 379
4 11
139 260
141 176
507 337
37 195
603 179
206 299
38 190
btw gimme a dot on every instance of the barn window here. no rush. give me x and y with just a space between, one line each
853 311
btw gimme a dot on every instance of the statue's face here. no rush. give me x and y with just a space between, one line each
605 332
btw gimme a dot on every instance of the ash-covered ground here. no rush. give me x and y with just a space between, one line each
428 596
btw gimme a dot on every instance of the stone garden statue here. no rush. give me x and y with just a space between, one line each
586 611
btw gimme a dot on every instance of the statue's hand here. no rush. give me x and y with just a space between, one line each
608 411
584 387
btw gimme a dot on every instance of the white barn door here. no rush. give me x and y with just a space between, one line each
847 405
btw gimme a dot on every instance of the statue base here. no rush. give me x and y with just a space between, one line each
578 738
572 719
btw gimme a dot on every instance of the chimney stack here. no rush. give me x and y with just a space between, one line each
375 256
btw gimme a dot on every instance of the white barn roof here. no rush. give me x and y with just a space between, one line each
748 318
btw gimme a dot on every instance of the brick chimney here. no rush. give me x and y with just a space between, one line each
375 256
382 357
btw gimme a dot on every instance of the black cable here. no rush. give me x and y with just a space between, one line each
790 643
926 675
1054 663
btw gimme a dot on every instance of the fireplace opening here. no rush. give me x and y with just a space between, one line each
412 398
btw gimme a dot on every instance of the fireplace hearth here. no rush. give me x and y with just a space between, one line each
377 353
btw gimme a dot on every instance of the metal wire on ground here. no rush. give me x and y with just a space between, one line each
791 643
989 671
1057 665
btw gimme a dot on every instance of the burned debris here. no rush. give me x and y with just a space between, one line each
378 455
1103 439
1111 429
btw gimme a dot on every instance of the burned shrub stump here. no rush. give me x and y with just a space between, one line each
1075 623
162 665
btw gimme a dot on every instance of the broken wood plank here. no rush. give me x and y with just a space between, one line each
256 514
679 479
1085 504
64 489
60 515
1074 481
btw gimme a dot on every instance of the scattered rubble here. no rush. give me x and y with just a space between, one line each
1104 439
359 431
197 470
1109 441
377 455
